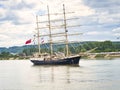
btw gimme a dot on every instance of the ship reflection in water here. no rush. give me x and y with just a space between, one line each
55 74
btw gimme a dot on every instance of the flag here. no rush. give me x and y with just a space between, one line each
28 41
42 40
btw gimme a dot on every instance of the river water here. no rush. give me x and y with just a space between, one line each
89 75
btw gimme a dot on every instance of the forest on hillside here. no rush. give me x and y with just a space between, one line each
74 48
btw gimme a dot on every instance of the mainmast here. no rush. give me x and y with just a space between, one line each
66 36
50 35
38 36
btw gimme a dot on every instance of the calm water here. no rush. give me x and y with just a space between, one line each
90 75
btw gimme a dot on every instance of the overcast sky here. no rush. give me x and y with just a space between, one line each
99 19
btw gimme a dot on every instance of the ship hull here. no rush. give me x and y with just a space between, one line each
66 61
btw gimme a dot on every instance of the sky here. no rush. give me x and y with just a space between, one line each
99 19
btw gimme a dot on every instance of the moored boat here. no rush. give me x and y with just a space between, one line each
54 58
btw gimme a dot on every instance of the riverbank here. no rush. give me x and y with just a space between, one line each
99 56
91 57
13 58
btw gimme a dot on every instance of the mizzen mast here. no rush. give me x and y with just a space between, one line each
50 35
66 35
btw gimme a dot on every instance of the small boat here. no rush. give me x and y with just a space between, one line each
53 58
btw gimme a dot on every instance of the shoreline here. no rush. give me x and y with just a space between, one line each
86 57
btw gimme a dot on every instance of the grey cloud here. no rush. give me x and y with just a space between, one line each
102 3
107 12
22 5
12 17
110 6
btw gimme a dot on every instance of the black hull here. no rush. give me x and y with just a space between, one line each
66 61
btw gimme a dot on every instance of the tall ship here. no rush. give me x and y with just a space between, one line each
51 57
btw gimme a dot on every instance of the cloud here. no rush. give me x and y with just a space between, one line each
97 33
17 18
2 13
21 5
15 34
107 11
102 3
116 32
17 10
93 33
4 37
17 13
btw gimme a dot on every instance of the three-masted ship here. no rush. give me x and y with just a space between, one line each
56 58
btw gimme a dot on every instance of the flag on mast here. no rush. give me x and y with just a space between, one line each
28 41
42 40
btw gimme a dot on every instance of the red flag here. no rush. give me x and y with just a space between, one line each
28 41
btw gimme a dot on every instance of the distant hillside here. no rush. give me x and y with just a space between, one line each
19 49
79 46
14 49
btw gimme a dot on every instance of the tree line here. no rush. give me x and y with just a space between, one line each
106 46
7 55
74 48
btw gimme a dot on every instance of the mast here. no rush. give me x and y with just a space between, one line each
50 27
50 35
65 27
38 36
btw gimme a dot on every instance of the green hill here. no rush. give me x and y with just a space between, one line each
106 46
